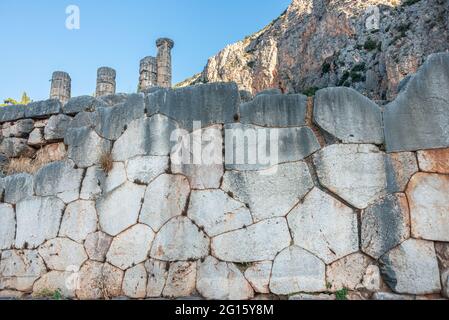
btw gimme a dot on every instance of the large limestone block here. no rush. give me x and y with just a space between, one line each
258 276
57 127
97 245
113 179
61 254
91 186
400 167
43 109
19 129
296 270
385 224
86 147
250 147
82 104
99 281
7 226
181 280
79 220
18 187
146 169
434 161
180 240
199 156
214 103
157 276
347 272
412 268
59 179
275 110
324 226
15 148
36 138
19 269
119 209
259 242
356 173
218 213
222 281
419 117
131 247
348 115
61 281
145 137
165 198
272 192
135 282
429 206
37 221
113 121
12 113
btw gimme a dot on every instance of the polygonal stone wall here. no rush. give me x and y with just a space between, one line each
95 202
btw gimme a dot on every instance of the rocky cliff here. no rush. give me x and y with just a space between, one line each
322 43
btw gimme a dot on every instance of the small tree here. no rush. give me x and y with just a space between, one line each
25 99
12 102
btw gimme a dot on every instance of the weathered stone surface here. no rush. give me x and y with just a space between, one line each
91 188
356 173
445 283
16 147
112 122
114 178
61 253
50 153
385 224
222 281
84 119
7 226
79 220
131 247
266 147
37 221
313 297
97 280
157 276
442 250
85 146
42 109
272 192
259 242
347 272
82 103
119 209
391 296
57 127
97 245
18 187
149 136
146 169
270 92
418 118
36 138
400 168
275 110
165 198
324 226
199 156
429 206
12 113
19 269
412 268
217 212
59 179
135 282
114 99
212 103
372 280
55 281
19 129
180 240
348 115
296 270
258 276
181 280
434 161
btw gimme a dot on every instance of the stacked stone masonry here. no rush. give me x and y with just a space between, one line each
94 205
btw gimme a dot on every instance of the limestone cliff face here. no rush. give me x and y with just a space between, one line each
321 43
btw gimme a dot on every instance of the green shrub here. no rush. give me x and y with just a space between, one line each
342 294
310 92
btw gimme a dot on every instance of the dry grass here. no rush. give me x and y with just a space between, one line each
106 162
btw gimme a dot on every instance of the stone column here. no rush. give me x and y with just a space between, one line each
164 75
148 73
61 86
105 81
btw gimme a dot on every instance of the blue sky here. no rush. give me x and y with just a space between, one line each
116 33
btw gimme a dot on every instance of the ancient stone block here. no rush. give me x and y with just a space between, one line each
259 242
356 173
146 169
43 109
385 224
347 272
97 245
348 116
157 276
181 280
135 282
18 187
98 280
7 226
12 113
36 137
324 226
258 276
56 127
400 168
79 220
429 206
16 147
55 281
81 104
434 161
272 192
19 129
61 253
